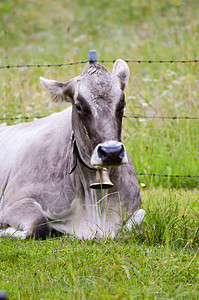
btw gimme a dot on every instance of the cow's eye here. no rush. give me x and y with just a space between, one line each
78 108
83 109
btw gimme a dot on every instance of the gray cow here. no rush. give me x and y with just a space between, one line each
46 166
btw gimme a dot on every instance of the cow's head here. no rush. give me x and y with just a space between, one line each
98 101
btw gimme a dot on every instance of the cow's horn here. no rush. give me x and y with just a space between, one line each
102 180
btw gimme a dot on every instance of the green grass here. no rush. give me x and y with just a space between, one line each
160 261
103 270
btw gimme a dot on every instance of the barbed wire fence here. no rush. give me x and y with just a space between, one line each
192 61
125 116
99 61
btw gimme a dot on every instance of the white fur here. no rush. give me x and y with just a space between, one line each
13 233
136 220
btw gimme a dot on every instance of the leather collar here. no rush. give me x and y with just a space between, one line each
76 155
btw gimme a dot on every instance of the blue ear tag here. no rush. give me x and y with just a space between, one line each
92 57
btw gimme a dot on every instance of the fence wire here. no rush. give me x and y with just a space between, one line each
44 65
167 175
99 61
139 173
162 117
126 117
21 118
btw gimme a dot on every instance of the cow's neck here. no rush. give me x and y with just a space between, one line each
76 155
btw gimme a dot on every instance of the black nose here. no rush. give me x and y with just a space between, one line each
111 155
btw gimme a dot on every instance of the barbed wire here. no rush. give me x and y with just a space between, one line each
167 175
21 118
44 65
153 61
161 117
125 116
99 61
138 174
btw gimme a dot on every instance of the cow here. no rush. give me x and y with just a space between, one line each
47 165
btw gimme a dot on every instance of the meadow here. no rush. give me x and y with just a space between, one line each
160 260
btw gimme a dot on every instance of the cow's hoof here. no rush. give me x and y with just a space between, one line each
138 217
136 220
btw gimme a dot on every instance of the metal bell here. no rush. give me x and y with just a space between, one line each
102 180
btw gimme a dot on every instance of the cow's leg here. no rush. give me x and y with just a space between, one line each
136 220
126 183
23 220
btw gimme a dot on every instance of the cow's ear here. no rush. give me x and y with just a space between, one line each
121 69
59 91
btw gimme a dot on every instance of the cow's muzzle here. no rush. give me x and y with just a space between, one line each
109 154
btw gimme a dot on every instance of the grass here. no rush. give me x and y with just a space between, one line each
102 271
161 260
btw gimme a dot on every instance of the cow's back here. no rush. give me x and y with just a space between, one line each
29 150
